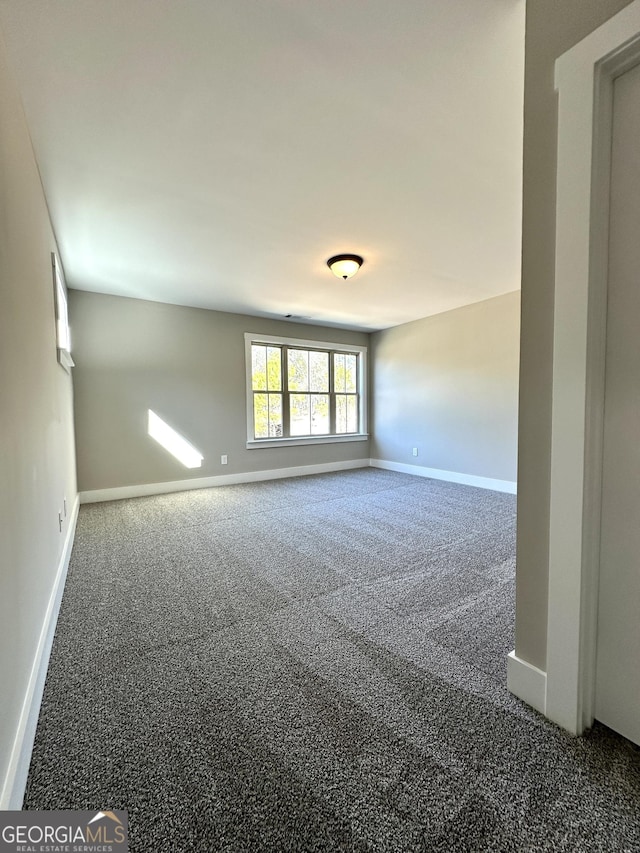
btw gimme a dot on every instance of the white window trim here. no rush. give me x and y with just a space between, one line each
363 435
63 335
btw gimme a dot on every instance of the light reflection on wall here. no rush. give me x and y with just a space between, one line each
172 441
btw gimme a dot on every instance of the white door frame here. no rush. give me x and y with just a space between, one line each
584 81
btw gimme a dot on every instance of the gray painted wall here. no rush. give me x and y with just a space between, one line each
36 424
187 365
552 27
448 384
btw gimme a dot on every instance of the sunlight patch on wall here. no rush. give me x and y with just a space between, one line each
173 442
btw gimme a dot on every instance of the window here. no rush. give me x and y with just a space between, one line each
63 336
304 392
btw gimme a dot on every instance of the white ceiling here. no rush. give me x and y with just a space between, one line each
216 152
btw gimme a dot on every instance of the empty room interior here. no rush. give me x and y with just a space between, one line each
319 474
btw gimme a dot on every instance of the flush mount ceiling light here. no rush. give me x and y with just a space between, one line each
344 266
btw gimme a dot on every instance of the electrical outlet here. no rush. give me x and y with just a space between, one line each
223 459
415 451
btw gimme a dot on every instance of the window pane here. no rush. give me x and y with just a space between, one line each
275 415
258 367
319 371
341 413
274 368
260 416
351 373
352 414
300 414
267 415
320 414
298 370
339 380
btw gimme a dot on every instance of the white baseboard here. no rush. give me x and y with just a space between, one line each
146 489
451 476
121 492
527 682
16 777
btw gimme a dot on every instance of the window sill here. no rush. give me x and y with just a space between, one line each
65 360
316 439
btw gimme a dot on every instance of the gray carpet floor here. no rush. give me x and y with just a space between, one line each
316 664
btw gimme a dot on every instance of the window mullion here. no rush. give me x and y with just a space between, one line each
332 396
286 408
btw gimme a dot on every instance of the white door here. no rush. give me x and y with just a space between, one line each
618 643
